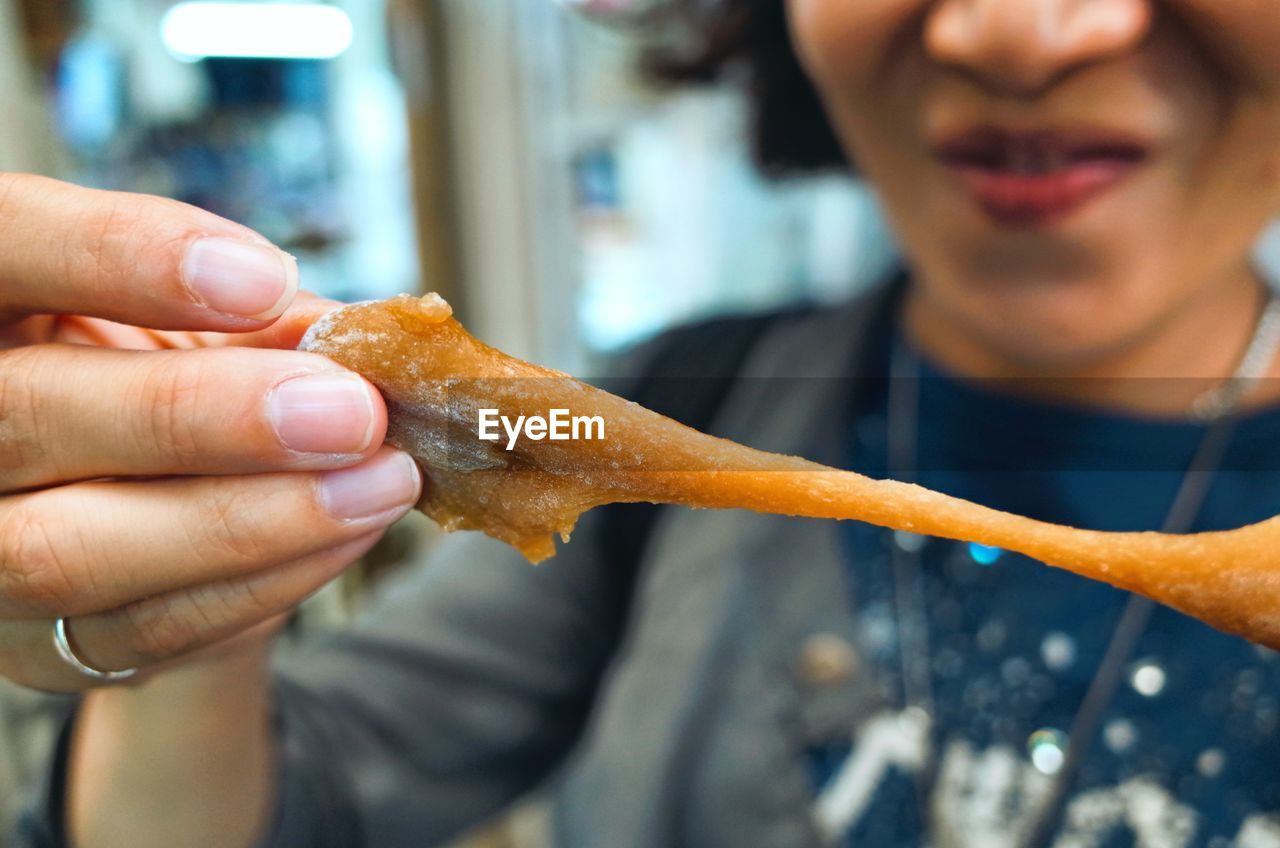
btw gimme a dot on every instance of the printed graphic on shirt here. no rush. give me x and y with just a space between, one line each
993 797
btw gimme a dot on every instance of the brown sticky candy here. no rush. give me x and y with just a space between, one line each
436 378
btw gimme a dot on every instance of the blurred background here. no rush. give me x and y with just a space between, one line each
504 153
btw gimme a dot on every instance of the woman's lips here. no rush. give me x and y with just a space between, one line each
1036 179
1038 200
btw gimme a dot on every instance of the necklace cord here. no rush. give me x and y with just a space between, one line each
909 596
1129 630
1217 410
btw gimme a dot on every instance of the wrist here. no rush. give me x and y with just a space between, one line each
185 751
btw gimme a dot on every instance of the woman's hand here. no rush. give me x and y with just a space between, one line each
159 488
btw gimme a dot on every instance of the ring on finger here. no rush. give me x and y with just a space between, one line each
62 643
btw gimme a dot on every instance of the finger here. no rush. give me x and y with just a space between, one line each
150 634
284 334
74 413
175 624
93 547
134 259
287 332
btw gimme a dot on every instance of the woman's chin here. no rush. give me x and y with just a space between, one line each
1037 328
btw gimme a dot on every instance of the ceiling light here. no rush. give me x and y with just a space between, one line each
194 31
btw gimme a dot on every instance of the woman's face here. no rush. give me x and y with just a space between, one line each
1064 174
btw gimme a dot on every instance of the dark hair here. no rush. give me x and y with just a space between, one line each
748 40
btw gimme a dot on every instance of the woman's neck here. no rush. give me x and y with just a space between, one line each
1161 371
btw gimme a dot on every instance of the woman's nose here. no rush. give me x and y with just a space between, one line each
1023 46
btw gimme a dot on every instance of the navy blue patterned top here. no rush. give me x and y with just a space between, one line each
1189 751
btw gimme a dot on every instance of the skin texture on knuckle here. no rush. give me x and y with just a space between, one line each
22 429
233 600
234 527
175 393
216 609
124 232
35 573
156 630
240 527
9 183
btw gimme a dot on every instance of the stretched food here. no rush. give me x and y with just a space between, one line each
518 451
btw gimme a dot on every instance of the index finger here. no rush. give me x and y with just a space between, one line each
135 259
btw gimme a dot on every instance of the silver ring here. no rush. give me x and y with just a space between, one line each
62 643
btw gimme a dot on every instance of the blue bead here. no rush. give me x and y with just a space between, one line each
984 554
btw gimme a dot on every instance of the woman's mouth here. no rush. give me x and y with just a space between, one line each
1036 179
